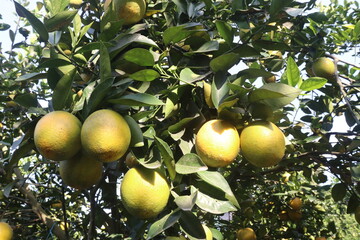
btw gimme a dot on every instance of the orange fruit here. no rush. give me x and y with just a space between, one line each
262 143
105 135
295 203
144 192
324 67
246 234
6 232
81 172
217 143
57 135
131 11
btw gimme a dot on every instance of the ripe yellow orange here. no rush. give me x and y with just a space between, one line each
246 234
270 79
105 135
57 135
217 143
80 172
144 192
295 203
262 143
6 232
131 11
324 67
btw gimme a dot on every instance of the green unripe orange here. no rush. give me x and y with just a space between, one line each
324 67
246 234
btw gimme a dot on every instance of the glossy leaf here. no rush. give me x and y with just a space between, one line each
34 21
137 99
167 156
191 225
187 202
224 62
62 90
190 163
140 56
226 31
137 139
313 83
216 180
164 223
188 76
145 75
105 64
292 72
60 20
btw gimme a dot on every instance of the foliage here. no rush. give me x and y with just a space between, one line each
81 60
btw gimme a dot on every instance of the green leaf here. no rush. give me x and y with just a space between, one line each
212 205
105 64
318 17
226 31
35 23
31 76
277 5
57 6
60 20
276 95
224 62
271 45
26 100
178 33
122 41
97 96
253 73
137 138
188 76
140 56
313 83
190 163
145 75
217 180
164 223
181 125
209 46
137 99
219 88
338 191
167 156
246 51
292 72
53 63
357 30
62 90
191 225
187 202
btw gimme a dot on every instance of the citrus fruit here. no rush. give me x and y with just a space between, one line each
207 95
144 192
270 79
295 215
57 135
105 135
295 203
246 234
262 143
357 214
324 67
131 11
283 216
81 171
6 232
320 238
75 3
217 143
208 232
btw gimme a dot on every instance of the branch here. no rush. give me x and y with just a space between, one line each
37 209
341 86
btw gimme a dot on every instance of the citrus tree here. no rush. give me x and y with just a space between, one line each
181 120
